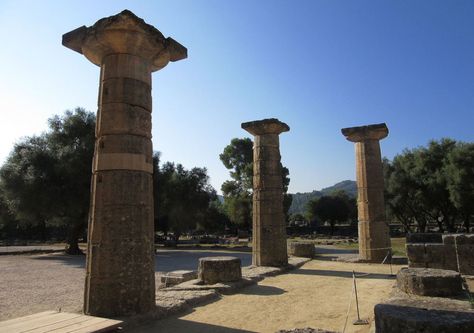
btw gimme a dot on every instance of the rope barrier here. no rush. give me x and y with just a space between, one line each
348 310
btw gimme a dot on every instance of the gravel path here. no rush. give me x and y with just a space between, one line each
316 295
35 283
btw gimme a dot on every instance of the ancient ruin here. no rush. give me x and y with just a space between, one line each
301 249
212 270
442 251
374 237
120 277
269 227
426 300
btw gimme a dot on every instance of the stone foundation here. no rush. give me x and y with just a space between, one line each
219 269
404 317
429 282
423 253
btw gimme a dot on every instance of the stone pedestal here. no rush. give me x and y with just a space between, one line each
120 278
269 228
219 269
299 249
429 282
374 236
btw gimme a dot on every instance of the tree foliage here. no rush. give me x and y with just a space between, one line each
46 178
431 185
335 208
182 198
238 158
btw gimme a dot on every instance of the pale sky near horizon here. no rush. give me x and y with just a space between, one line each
317 65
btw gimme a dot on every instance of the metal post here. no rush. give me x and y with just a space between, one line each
358 321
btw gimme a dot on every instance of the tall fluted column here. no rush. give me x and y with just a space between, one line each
269 227
120 270
374 233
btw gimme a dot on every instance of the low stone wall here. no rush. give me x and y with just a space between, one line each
426 254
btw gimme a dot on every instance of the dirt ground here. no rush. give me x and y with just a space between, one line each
317 295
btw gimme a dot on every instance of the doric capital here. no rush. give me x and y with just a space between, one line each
265 126
363 133
124 33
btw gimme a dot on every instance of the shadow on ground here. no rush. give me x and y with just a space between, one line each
165 260
260 290
330 253
76 261
180 325
344 274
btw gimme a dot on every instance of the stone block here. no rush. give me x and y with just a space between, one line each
429 282
434 255
397 318
424 237
466 258
300 249
118 118
416 253
212 270
450 261
126 65
128 91
464 239
176 277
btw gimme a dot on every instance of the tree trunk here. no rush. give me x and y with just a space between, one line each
467 223
72 241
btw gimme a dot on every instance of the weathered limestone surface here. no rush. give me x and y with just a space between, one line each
120 257
429 282
269 229
374 237
176 277
407 318
424 237
300 249
219 269
444 255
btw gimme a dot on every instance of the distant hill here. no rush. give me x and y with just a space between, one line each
300 199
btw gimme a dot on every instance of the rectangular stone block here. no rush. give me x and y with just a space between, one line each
128 91
450 257
464 239
466 259
424 237
434 254
127 66
271 140
416 253
131 144
120 118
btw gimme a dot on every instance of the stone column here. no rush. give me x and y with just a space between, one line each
120 279
269 227
374 236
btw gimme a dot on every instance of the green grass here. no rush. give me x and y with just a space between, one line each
398 246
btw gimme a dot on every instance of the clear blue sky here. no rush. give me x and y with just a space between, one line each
316 65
